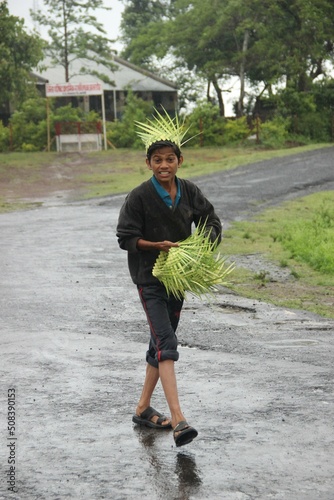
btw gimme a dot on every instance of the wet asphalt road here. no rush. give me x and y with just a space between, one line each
256 381
246 191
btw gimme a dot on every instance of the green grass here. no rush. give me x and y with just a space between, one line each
25 160
6 206
120 170
297 236
126 169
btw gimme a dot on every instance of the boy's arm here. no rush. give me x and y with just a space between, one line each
213 229
155 245
203 211
130 233
129 225
207 215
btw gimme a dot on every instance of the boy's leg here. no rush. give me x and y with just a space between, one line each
168 381
174 311
151 379
185 433
167 376
163 317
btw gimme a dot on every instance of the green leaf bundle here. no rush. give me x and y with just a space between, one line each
192 266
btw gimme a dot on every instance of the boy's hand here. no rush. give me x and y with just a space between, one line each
163 246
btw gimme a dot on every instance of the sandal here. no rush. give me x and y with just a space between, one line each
145 418
185 433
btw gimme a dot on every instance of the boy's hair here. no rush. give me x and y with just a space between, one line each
162 144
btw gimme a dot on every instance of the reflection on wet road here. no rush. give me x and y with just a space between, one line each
183 467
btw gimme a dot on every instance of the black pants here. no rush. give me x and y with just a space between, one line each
163 314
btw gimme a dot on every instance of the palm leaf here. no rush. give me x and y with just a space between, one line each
192 267
162 128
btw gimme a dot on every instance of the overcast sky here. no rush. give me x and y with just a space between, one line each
109 19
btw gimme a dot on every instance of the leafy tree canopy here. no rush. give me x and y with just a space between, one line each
262 41
75 33
19 53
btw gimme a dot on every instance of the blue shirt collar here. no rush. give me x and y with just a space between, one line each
164 195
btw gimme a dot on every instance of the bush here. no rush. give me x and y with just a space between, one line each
274 134
29 125
122 133
236 131
314 126
29 122
69 114
28 148
291 102
310 113
206 125
4 138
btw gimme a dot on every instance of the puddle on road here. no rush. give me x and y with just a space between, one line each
226 308
231 308
292 343
183 345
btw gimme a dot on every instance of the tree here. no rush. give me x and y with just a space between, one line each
75 33
201 36
137 15
294 41
19 53
143 29
263 42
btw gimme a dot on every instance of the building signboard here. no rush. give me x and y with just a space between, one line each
73 89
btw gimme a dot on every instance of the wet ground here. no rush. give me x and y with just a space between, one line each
256 381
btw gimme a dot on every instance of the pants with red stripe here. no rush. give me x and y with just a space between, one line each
163 314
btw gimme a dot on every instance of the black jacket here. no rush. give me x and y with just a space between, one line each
145 215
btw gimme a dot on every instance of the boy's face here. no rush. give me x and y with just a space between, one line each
164 163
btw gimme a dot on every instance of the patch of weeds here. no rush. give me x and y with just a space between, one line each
263 277
311 239
295 274
274 237
6 207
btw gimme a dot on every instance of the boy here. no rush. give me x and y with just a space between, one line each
154 216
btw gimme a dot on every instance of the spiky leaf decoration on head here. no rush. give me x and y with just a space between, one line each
192 267
162 128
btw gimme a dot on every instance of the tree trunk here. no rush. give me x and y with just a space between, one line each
240 111
208 91
219 96
66 63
